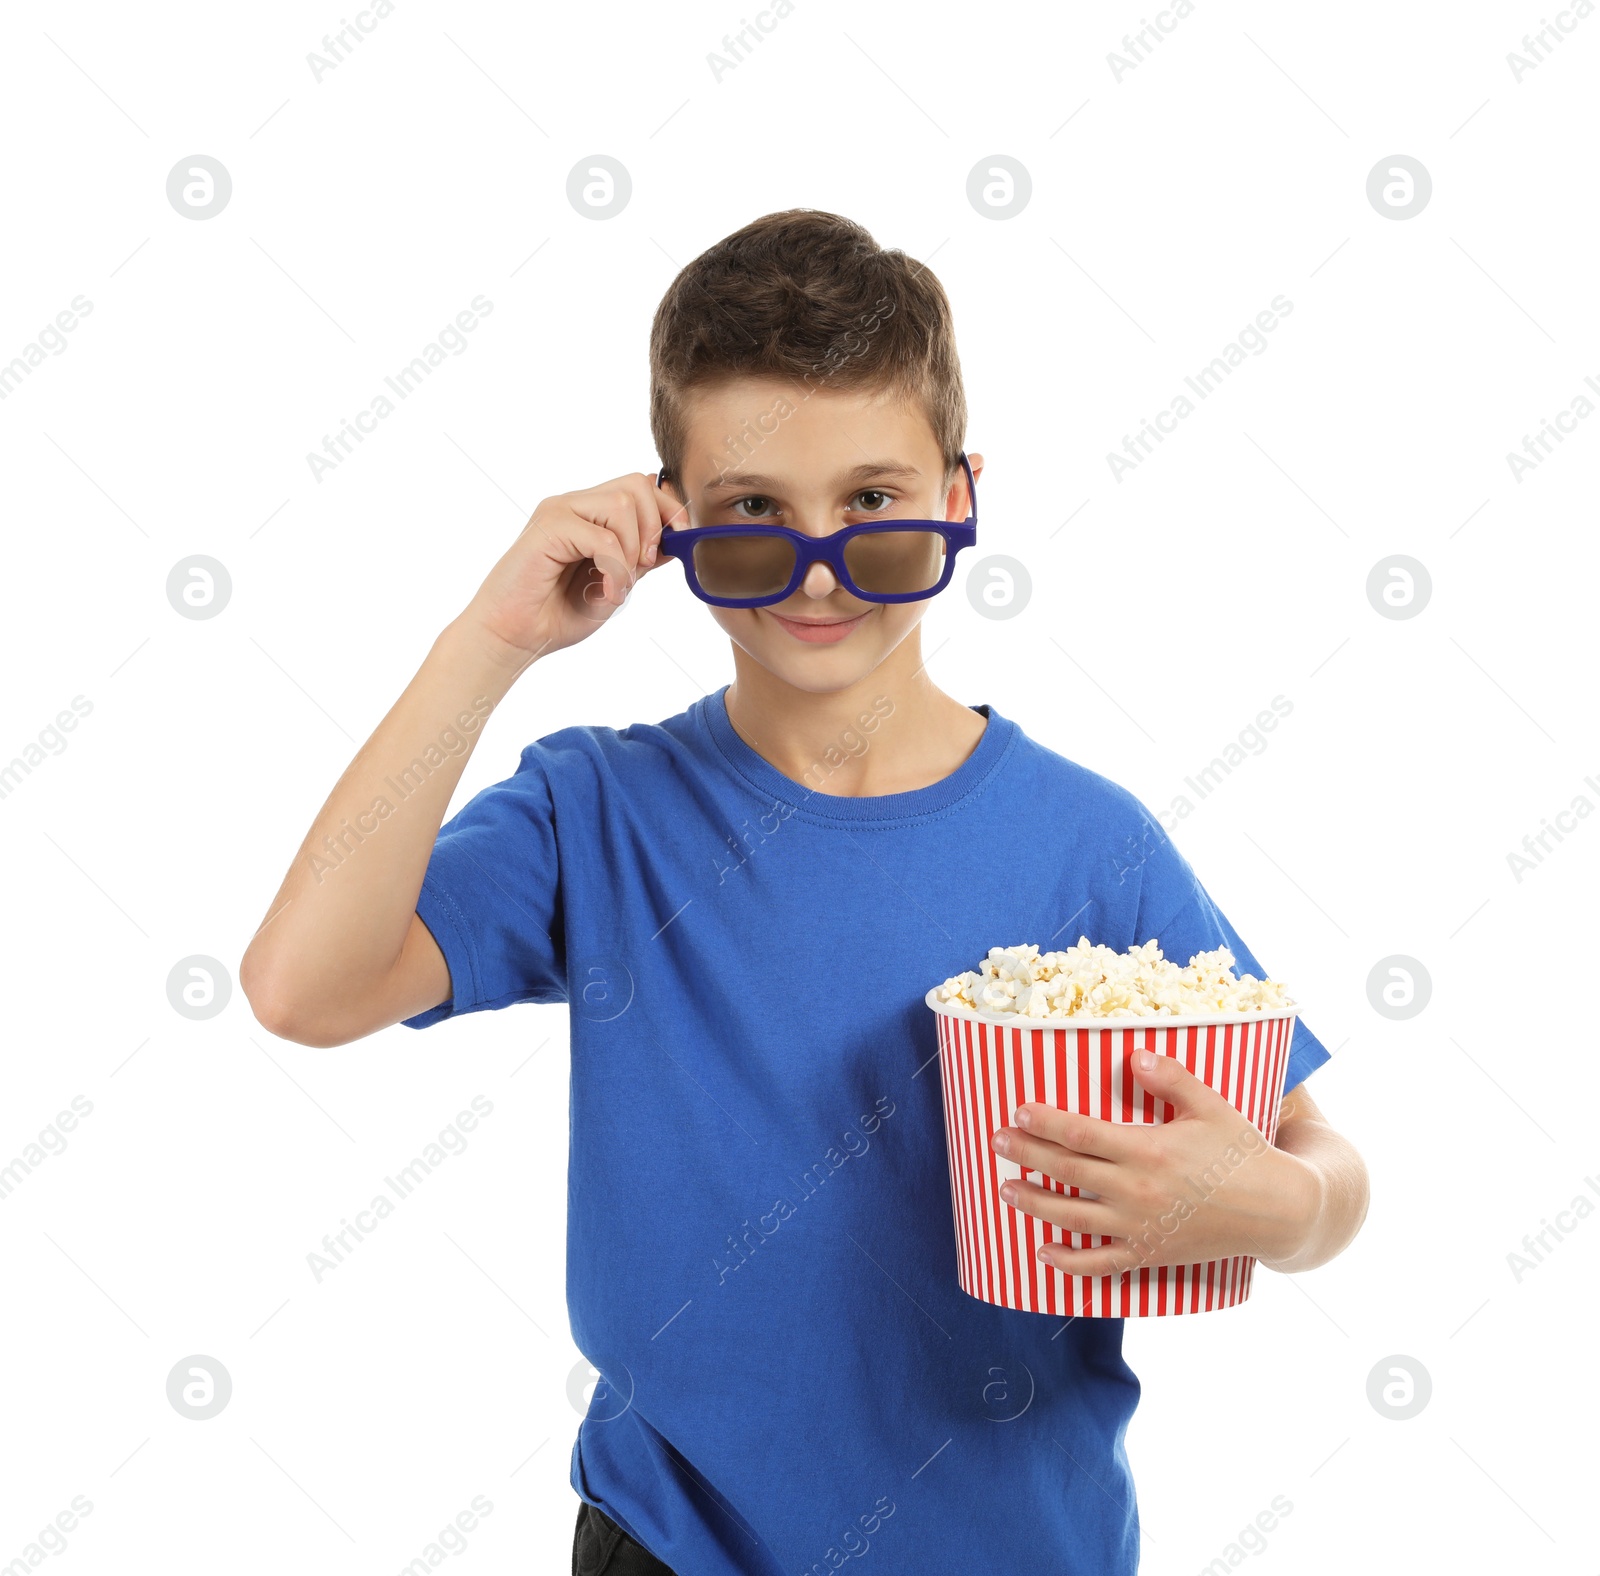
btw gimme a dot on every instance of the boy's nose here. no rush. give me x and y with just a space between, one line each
820 581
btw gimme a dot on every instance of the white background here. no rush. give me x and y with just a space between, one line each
1167 209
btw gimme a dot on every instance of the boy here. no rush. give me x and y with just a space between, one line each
743 906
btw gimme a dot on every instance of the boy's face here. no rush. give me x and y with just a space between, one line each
815 465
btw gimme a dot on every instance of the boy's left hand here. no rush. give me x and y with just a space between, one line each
1204 1185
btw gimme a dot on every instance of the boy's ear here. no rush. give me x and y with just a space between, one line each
677 518
958 500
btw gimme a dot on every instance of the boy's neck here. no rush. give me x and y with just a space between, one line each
892 732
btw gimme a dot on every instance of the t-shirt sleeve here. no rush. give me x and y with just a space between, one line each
1177 911
491 898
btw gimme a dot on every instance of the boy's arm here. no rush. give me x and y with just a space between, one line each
342 952
1339 1205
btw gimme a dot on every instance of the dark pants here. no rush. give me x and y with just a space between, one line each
601 1548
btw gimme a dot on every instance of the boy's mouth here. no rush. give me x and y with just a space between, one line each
818 631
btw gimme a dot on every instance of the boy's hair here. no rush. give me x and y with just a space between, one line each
809 298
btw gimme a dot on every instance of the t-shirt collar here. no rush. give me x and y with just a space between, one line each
993 744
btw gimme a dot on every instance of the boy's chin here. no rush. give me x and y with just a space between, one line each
814 668
831 676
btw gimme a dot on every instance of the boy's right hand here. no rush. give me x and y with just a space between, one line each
573 566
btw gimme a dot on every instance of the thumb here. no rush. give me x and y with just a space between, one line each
1168 1079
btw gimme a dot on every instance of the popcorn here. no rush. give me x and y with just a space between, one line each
1087 981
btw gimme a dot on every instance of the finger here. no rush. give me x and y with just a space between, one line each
599 580
615 507
1066 1166
1116 1259
643 490
658 508
576 539
1085 1135
1086 1216
653 507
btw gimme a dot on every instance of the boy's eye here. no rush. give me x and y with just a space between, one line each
870 500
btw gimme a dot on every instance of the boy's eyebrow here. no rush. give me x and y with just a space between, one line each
749 480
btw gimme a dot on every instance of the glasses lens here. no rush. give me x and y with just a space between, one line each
895 563
744 566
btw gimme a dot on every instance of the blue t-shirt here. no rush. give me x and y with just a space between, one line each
761 1257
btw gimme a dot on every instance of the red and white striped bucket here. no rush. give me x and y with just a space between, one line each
990 1063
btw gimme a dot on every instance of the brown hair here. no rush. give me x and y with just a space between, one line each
811 298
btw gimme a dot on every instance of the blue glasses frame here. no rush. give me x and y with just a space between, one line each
829 550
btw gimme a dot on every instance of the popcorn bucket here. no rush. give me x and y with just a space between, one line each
990 1063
